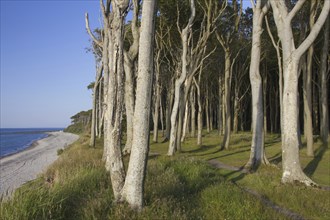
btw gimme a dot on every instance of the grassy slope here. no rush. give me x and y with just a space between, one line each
183 187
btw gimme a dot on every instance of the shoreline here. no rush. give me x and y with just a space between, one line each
30 146
24 166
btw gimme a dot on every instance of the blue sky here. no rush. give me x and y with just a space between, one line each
45 69
44 66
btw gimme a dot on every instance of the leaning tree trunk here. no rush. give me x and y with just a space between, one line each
134 184
292 171
199 114
324 86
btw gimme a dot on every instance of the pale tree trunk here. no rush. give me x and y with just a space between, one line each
207 115
227 107
307 88
157 101
291 56
193 111
114 162
324 86
220 118
100 110
106 60
129 67
168 113
134 184
94 109
264 85
185 122
236 112
161 116
211 115
257 144
179 82
199 113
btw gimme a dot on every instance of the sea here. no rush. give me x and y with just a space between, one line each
13 140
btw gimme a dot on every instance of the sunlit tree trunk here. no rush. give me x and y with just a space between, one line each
134 184
129 67
291 56
178 83
257 143
114 162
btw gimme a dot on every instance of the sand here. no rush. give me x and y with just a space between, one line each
19 168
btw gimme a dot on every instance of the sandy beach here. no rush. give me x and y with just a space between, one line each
24 166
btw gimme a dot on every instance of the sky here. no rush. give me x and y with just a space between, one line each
44 66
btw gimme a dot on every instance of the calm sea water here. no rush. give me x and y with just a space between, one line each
13 140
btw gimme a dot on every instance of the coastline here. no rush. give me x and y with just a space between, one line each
23 166
30 146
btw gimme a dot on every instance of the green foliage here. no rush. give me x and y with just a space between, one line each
59 151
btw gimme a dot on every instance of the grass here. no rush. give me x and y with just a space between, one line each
77 186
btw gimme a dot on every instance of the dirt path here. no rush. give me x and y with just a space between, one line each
17 169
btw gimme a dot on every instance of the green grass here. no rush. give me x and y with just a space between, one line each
77 186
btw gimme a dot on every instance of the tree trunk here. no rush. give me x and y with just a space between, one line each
193 111
307 88
227 108
185 122
94 108
264 80
157 102
129 101
207 115
129 67
134 184
114 162
291 56
199 114
178 83
324 86
220 118
257 143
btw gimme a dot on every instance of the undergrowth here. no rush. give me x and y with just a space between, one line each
77 186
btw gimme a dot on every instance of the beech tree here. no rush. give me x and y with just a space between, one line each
257 154
291 57
132 191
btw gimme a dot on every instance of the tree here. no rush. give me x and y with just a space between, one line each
130 57
257 143
180 80
291 57
133 189
324 85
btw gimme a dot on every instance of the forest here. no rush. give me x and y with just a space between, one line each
179 76
189 65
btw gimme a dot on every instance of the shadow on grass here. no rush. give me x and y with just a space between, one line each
226 155
311 166
276 159
200 149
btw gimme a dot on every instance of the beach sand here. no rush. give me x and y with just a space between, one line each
24 166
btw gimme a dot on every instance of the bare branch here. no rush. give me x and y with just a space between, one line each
96 41
295 9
